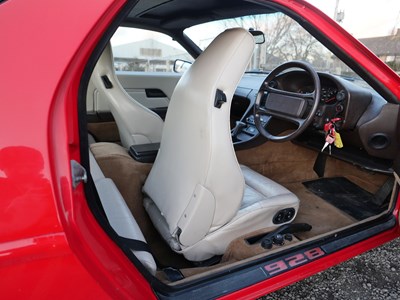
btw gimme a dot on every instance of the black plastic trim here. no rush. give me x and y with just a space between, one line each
284 215
216 288
100 117
220 98
145 153
134 244
358 237
161 111
155 93
396 165
107 82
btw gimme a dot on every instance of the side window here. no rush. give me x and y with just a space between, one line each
145 51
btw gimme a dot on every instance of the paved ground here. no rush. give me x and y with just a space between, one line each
374 275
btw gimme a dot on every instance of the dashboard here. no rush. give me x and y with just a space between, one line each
366 121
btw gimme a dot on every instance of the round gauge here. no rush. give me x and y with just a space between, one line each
328 94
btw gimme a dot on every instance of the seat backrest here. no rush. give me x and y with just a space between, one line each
196 181
136 123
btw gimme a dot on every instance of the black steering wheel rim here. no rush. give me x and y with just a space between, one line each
270 92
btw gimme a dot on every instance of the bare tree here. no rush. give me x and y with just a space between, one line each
284 40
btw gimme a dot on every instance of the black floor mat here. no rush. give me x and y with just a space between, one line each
345 195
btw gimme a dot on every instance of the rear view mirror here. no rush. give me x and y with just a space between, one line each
259 37
180 65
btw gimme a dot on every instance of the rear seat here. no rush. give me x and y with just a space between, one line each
118 213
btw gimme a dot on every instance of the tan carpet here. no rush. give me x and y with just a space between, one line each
290 165
321 215
286 163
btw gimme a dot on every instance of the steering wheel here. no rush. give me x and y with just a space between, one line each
284 105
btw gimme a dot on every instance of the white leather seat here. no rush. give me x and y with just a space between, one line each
136 123
197 195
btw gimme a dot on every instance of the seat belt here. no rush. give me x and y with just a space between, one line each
135 245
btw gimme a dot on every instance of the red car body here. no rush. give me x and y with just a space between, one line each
51 246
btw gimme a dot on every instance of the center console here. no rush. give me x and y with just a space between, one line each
145 153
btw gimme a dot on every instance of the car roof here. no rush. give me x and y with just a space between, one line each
176 15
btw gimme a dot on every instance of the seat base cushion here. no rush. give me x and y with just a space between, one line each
262 199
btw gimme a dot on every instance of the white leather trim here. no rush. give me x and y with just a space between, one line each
95 170
90 98
91 139
197 218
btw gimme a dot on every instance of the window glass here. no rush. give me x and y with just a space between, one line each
375 24
145 51
285 40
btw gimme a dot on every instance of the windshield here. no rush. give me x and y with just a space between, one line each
285 40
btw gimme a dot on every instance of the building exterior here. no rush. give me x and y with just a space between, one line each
148 56
387 48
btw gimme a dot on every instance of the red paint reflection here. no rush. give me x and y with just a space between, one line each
26 201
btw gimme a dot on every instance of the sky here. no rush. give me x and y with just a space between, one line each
364 18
